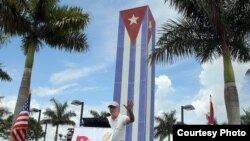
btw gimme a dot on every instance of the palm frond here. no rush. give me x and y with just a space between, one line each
180 39
3 38
68 25
13 19
72 18
68 41
4 111
245 119
4 76
240 23
94 113
248 72
41 9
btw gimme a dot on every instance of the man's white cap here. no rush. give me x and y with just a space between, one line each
113 104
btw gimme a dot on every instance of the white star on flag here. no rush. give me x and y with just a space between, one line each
133 19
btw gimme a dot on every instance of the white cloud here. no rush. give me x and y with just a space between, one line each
212 81
164 85
163 90
7 102
72 74
46 91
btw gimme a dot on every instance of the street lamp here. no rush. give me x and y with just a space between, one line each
38 122
61 137
45 121
185 107
77 102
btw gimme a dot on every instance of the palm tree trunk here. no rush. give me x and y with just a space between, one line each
232 103
230 89
25 83
168 137
23 92
56 134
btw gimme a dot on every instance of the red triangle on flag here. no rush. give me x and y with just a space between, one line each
132 19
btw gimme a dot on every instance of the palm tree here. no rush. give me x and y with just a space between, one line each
95 114
208 30
40 22
3 110
59 115
35 130
165 125
5 127
245 119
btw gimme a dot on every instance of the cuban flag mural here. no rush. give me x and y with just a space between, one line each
134 76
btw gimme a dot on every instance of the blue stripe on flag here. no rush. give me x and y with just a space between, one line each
131 81
143 75
119 61
152 91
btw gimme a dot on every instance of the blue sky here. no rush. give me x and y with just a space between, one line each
90 76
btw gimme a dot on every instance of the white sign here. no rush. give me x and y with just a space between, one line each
92 134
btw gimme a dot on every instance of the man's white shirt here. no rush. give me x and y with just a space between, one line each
119 127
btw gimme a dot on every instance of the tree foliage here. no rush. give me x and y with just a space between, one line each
245 119
95 114
208 30
59 115
33 129
164 127
4 76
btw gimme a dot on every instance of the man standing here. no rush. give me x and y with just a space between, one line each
119 121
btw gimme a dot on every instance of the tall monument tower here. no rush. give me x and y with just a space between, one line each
134 76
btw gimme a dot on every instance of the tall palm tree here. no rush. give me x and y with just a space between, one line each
208 30
38 23
59 115
165 125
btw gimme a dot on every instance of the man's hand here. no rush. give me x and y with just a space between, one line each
129 105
